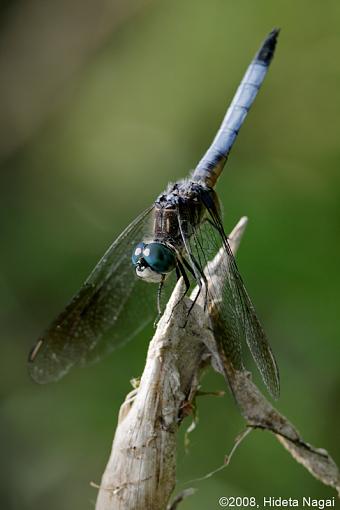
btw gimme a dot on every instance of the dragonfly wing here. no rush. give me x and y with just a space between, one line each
201 246
109 309
227 294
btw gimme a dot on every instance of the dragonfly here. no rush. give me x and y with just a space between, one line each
175 237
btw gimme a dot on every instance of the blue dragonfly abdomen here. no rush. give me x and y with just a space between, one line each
211 165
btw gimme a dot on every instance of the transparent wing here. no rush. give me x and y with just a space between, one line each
229 297
93 323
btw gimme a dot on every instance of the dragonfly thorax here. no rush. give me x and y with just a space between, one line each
153 261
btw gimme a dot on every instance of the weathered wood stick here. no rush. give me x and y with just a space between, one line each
141 471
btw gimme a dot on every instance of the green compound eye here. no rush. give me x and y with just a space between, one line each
137 253
159 257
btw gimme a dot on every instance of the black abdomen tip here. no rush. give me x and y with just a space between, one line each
266 52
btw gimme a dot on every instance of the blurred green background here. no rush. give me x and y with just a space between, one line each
101 104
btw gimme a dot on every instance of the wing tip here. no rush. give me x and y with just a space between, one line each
35 350
36 372
275 390
273 383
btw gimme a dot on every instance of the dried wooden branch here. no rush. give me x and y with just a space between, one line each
142 468
141 471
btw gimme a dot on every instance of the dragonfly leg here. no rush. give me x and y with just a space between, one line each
180 271
199 280
183 273
159 295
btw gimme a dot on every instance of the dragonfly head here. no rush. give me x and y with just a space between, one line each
152 261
